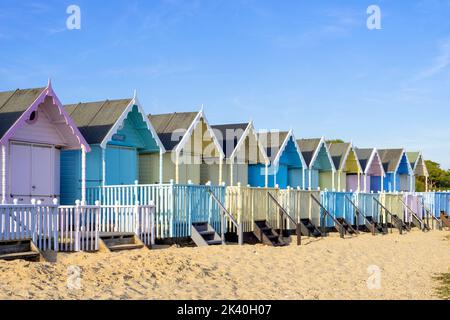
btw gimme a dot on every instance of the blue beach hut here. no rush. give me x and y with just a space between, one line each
287 167
321 168
399 173
119 134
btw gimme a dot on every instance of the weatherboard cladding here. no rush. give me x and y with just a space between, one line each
229 135
13 104
308 147
167 124
390 158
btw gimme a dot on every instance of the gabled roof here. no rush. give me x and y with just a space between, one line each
96 119
229 136
391 159
339 153
417 163
274 143
366 157
16 107
167 125
99 121
13 104
310 149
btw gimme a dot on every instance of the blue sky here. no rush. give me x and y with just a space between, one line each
307 65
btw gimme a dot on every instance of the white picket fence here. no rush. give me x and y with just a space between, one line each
74 228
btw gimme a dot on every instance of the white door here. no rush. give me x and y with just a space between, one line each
32 173
41 172
20 176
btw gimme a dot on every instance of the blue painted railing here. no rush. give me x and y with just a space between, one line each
177 206
368 206
436 202
337 204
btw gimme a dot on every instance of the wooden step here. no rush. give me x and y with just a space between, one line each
214 242
123 247
28 256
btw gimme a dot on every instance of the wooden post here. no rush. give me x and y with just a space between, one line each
177 169
4 190
339 180
103 167
161 164
332 180
359 182
83 175
365 182
220 170
232 173
266 178
303 178
77 225
426 184
310 179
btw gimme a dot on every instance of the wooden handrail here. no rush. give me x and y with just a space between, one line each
414 215
433 217
390 214
359 212
226 214
285 213
341 227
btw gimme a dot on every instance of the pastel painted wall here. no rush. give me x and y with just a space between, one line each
376 184
121 159
312 179
240 174
149 168
256 175
340 181
326 180
289 170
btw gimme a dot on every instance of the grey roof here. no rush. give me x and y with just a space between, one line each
272 142
338 151
308 147
166 124
364 156
390 158
13 104
95 119
229 135
418 164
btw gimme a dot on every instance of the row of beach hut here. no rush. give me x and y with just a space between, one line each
50 150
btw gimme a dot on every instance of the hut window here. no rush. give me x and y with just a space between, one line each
33 117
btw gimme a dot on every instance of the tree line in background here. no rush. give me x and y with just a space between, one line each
439 178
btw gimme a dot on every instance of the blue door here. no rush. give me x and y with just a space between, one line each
121 166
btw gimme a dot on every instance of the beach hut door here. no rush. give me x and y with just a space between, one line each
31 172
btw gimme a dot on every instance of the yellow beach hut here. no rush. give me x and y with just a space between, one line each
242 150
348 169
193 153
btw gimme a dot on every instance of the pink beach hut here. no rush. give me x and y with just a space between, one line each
373 171
34 128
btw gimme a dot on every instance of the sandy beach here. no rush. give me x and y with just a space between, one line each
329 268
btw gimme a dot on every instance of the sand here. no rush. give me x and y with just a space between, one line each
330 268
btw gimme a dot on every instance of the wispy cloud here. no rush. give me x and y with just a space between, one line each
441 62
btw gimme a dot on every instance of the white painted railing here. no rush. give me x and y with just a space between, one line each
74 228
127 218
35 221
